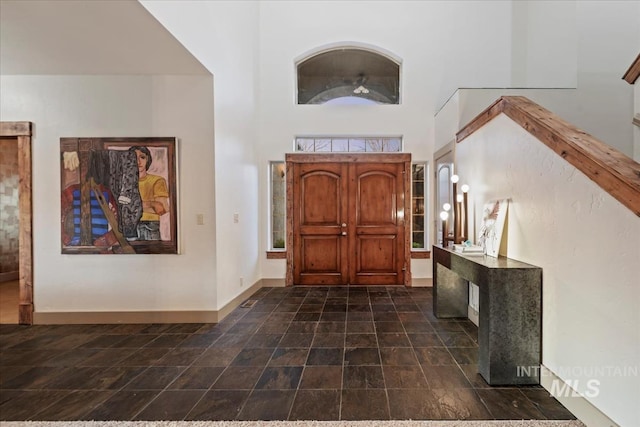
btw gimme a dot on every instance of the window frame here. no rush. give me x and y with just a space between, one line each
367 140
425 208
362 79
271 195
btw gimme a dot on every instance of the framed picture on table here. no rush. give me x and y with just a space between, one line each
494 216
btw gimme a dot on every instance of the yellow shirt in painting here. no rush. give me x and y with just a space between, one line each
152 186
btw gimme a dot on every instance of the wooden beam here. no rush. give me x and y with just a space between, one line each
613 171
15 128
481 119
633 72
25 245
21 132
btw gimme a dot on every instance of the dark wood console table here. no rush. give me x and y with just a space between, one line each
510 327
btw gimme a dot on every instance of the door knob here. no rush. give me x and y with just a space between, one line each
344 233
344 224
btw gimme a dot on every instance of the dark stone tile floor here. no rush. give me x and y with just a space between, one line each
301 353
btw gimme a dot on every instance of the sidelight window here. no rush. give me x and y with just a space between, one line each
419 240
278 195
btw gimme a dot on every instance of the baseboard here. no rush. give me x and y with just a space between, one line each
111 317
114 317
273 283
9 276
422 282
234 303
574 401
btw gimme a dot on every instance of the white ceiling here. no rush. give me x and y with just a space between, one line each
88 37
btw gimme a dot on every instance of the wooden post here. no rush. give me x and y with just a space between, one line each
456 213
25 245
465 208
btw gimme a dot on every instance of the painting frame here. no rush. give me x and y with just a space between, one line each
119 195
494 217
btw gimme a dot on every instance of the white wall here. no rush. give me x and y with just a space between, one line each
251 48
609 110
585 45
116 106
585 241
223 36
543 44
434 49
608 42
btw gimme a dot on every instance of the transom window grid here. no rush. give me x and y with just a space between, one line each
348 144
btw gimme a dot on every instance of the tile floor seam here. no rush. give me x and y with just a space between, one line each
328 320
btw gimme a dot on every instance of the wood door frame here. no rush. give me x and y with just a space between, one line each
291 158
445 155
22 132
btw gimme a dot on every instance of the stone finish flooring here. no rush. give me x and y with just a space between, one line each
301 353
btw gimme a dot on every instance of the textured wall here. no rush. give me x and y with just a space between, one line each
587 245
8 206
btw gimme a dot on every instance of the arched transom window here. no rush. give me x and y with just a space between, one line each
348 76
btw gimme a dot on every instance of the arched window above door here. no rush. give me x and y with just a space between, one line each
348 76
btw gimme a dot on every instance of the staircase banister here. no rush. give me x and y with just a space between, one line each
633 72
616 173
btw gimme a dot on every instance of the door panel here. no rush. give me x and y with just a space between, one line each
319 196
348 223
376 199
377 205
377 254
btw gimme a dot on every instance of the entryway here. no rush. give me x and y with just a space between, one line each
346 219
19 133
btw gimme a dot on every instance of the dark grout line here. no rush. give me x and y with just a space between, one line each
250 321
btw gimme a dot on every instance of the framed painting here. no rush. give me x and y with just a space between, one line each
118 196
494 215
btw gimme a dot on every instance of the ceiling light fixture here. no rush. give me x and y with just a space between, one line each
361 89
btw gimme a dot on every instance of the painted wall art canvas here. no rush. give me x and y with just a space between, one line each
494 215
118 195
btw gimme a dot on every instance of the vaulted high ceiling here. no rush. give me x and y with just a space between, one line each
88 37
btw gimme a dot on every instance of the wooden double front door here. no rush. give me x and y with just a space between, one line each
346 219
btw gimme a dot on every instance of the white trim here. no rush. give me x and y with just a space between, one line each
115 317
579 406
347 45
421 282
